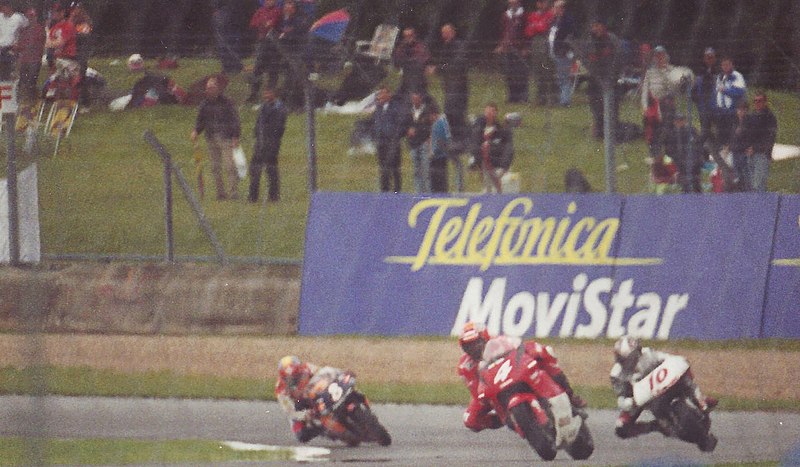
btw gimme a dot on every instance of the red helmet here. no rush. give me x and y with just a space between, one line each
294 374
473 339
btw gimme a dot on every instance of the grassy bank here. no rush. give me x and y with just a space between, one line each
103 193
105 383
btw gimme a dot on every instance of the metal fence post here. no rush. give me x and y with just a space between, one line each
9 121
168 224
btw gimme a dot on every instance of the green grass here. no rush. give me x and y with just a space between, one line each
28 451
103 193
86 381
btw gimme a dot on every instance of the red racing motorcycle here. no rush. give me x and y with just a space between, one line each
528 401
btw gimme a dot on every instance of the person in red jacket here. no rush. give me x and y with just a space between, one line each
63 37
479 415
265 22
537 27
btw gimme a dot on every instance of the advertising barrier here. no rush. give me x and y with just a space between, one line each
783 293
585 266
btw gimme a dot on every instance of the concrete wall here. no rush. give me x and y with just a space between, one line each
144 298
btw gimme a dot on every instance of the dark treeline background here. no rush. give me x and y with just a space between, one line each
763 36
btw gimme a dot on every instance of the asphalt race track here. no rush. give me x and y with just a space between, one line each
422 435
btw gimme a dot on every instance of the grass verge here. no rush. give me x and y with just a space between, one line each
27 451
86 381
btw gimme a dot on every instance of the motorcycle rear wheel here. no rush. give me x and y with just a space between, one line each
367 424
541 439
583 446
691 423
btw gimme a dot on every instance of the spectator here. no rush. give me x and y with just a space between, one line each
31 49
452 65
265 22
604 61
218 118
63 38
513 52
658 101
762 128
561 32
80 19
730 89
688 156
412 57
740 141
704 96
441 137
387 127
270 125
536 31
292 34
11 23
418 132
225 36
492 144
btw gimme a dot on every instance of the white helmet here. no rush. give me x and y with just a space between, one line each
135 62
627 350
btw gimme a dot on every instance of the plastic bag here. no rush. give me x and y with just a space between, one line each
241 161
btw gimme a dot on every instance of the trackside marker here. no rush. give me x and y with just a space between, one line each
299 453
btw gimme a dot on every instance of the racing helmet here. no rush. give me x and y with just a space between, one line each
627 351
473 339
294 373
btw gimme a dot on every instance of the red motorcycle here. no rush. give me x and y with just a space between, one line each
528 401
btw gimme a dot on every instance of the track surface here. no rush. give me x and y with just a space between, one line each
422 435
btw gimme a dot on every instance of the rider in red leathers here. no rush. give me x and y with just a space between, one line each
479 415
290 391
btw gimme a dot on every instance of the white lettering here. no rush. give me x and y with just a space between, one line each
538 313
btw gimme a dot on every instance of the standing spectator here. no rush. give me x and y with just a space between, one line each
658 101
492 144
412 57
536 31
561 32
387 130
292 35
688 156
763 128
31 49
218 118
418 132
513 52
739 143
265 21
270 125
80 19
11 23
452 65
225 36
731 89
63 38
704 96
441 137
604 61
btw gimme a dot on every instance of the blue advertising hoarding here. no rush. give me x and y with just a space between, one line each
537 265
781 317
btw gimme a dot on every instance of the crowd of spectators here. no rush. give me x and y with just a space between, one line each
543 41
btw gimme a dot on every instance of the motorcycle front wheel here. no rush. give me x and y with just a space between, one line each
541 439
367 424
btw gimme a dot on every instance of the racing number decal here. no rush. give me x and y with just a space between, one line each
660 376
503 372
336 391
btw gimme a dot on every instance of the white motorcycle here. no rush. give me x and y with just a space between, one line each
667 394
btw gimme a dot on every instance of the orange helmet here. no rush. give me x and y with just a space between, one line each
294 373
473 339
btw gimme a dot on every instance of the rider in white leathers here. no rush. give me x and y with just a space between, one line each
632 362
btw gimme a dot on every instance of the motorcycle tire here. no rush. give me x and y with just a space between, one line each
541 439
690 421
583 446
367 424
